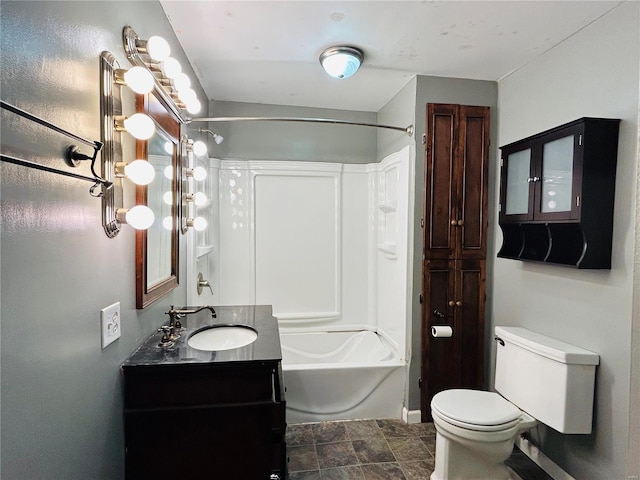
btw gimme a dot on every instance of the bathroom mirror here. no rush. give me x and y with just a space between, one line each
157 247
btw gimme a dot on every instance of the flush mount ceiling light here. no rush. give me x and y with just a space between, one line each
341 62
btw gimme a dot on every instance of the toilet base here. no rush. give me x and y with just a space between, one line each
455 461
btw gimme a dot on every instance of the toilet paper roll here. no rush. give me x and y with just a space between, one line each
441 331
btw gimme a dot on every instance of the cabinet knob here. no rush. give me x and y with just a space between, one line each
452 303
460 223
458 303
454 222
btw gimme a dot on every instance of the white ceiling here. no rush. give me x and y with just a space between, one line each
267 51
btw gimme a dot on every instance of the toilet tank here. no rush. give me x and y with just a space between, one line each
551 380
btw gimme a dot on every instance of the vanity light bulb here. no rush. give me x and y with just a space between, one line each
168 198
140 126
199 224
168 147
187 95
171 67
168 172
139 217
200 199
139 79
158 48
140 172
199 148
194 106
167 223
199 174
181 81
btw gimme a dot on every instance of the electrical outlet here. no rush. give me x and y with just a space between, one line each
110 322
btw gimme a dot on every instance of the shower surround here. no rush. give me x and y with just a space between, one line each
328 245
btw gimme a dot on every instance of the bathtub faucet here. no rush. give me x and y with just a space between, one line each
175 314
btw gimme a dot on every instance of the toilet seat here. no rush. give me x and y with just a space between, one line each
476 410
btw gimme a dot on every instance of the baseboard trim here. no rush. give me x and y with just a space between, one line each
540 459
411 416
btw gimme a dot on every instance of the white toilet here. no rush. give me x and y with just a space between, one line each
538 379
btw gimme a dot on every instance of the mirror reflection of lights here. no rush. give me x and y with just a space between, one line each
551 193
168 198
198 173
199 223
167 223
551 204
168 147
168 172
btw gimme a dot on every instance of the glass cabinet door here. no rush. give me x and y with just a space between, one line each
517 184
557 175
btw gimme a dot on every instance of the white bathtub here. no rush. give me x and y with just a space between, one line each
341 376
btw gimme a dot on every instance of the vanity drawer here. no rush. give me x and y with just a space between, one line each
183 387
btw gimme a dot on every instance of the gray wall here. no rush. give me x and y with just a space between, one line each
290 140
61 393
594 73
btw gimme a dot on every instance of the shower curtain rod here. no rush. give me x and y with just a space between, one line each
408 130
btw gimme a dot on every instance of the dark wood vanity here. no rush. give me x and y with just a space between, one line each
207 414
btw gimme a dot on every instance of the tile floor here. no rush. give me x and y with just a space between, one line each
361 450
374 450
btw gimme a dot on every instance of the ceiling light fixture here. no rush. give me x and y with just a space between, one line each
342 61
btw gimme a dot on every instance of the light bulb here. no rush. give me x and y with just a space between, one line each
194 106
139 172
158 48
198 173
139 217
167 223
171 67
199 223
168 172
139 80
181 81
139 125
200 199
168 147
199 148
187 95
168 198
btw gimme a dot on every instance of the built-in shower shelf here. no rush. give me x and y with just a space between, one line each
389 249
203 250
388 207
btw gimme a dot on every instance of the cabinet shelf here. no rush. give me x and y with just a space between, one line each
562 212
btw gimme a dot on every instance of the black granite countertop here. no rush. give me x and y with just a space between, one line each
266 348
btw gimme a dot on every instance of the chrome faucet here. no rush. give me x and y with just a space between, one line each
175 326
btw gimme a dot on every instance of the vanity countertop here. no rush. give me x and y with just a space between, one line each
265 349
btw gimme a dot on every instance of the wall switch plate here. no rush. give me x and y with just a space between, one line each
110 323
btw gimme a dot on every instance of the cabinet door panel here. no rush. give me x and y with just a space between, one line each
440 188
560 173
473 184
470 291
439 371
517 178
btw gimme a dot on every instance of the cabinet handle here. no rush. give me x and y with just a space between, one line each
454 222
460 223
452 303
458 303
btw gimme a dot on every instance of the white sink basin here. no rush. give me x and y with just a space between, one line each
222 337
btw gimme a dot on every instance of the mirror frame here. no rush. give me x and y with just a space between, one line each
170 126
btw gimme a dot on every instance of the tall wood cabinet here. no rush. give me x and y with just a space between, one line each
455 244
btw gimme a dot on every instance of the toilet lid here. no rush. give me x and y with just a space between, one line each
475 407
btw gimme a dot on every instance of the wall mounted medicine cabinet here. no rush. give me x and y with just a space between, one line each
557 194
